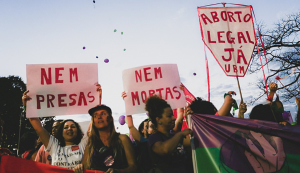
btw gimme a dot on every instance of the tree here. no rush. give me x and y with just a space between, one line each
11 111
282 47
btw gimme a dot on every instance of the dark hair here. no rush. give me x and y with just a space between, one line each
59 133
141 126
200 106
28 141
155 107
264 112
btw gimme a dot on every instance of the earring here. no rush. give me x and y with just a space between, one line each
160 122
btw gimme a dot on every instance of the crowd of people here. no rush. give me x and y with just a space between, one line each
158 146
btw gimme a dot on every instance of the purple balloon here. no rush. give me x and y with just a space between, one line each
122 119
83 47
194 74
96 56
106 60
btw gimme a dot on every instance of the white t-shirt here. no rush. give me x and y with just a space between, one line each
67 156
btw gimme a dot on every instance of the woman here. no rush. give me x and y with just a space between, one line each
107 150
67 147
166 150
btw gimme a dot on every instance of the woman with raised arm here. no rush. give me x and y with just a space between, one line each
67 147
107 150
166 149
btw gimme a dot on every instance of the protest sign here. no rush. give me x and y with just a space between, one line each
141 82
61 89
229 34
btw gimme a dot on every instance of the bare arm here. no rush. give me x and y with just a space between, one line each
168 146
242 110
179 120
36 123
133 131
99 90
226 107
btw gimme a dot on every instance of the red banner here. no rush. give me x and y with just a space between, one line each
11 164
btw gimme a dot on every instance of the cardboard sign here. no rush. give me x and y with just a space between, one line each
229 34
142 82
61 89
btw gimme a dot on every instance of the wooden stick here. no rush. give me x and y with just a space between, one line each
237 78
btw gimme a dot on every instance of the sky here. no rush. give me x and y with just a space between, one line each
154 32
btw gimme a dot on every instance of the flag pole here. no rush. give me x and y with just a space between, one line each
237 79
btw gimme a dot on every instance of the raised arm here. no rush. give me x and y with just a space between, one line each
133 131
179 120
273 88
99 90
36 123
168 146
242 109
226 107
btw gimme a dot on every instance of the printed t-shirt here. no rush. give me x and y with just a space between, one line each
171 163
67 156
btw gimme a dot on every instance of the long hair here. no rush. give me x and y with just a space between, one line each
59 133
155 107
94 142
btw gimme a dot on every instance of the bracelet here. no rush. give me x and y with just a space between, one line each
24 107
226 94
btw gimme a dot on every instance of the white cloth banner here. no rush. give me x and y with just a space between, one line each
61 89
229 34
141 82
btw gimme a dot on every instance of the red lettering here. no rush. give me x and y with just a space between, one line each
50 98
144 96
135 96
241 36
157 71
138 75
238 13
159 90
57 74
209 39
61 100
228 50
242 69
168 91
241 55
224 15
227 70
73 72
82 99
39 99
92 97
151 92
214 15
229 39
248 36
230 16
73 100
204 18
146 74
220 36
45 77
247 17
176 91
234 68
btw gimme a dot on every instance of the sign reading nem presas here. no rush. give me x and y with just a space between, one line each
61 89
141 82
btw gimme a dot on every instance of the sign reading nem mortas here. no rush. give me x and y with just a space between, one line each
61 89
142 82
229 34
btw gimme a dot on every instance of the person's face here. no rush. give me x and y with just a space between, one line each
167 119
101 119
150 129
69 131
55 127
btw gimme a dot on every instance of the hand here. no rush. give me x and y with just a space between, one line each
99 89
242 108
187 112
273 87
231 93
111 170
284 123
186 132
181 87
124 94
297 101
25 97
79 168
